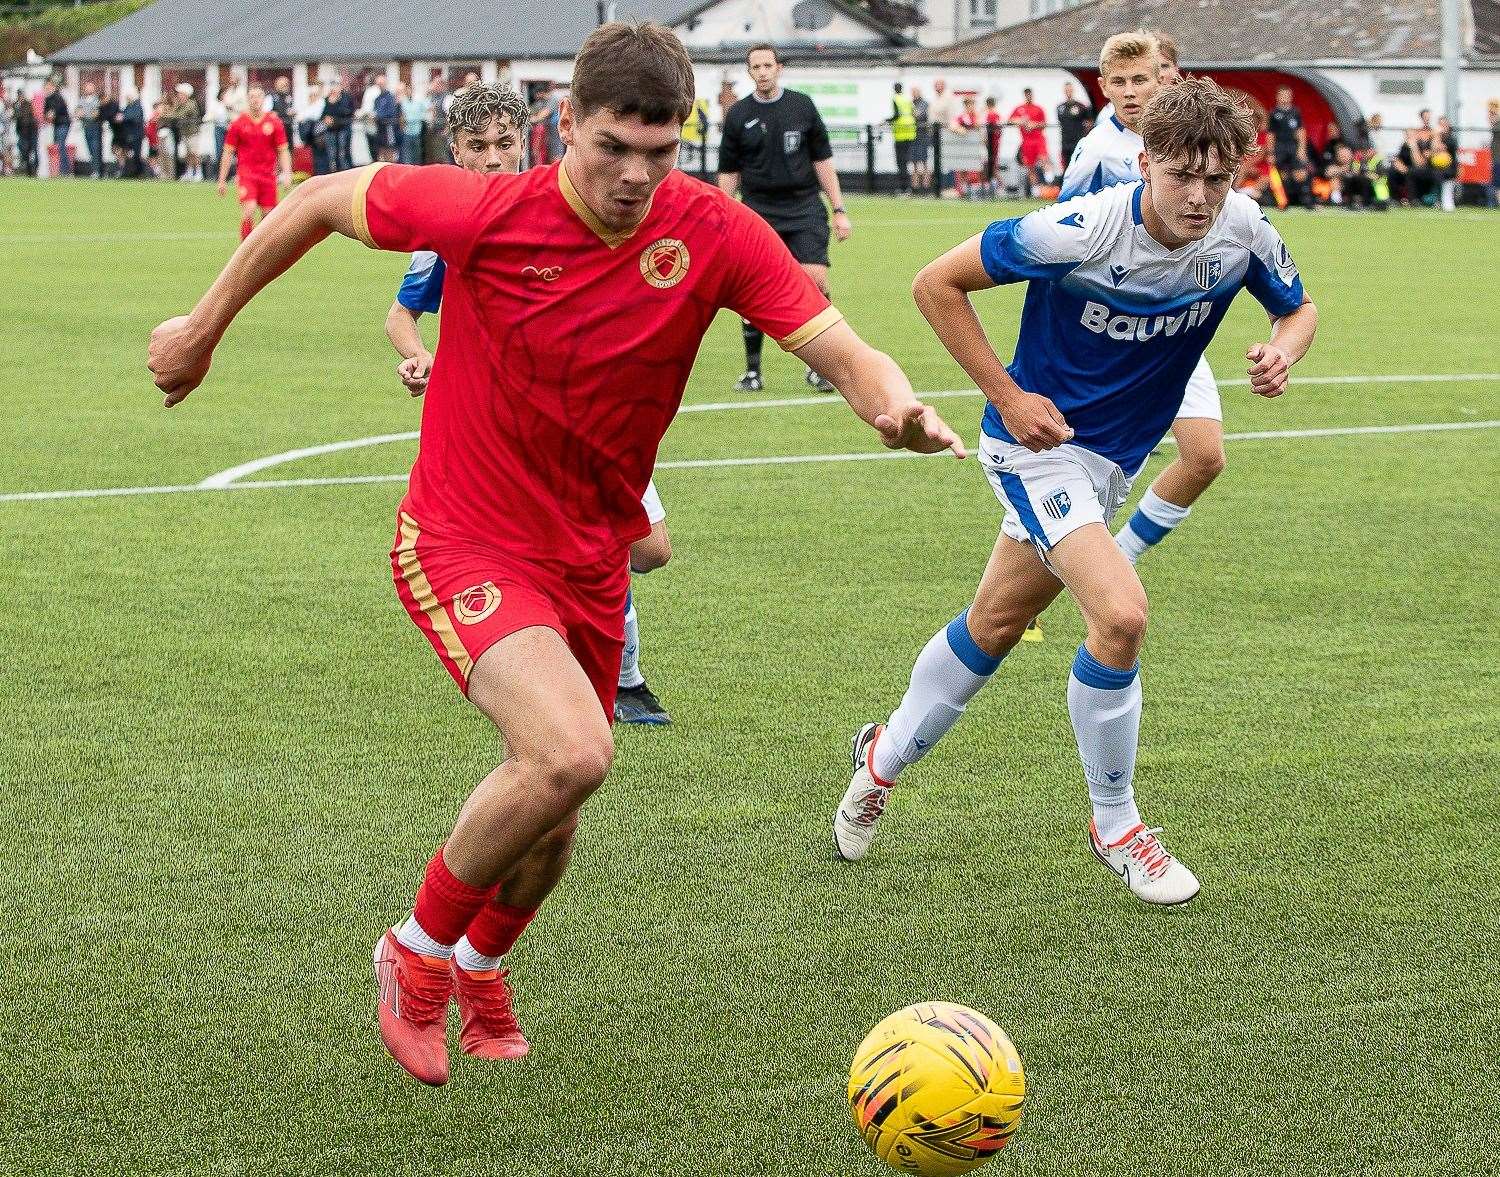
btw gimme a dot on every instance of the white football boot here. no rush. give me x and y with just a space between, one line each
858 814
1144 865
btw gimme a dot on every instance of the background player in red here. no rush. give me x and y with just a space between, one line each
576 299
257 139
1032 121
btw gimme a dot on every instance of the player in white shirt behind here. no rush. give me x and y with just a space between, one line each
1127 287
1132 67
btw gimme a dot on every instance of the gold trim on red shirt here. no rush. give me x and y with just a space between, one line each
357 207
587 216
811 329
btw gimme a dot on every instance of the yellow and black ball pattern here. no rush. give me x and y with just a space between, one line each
936 1089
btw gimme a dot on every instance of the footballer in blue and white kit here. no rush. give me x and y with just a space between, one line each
1125 289
1113 327
1109 155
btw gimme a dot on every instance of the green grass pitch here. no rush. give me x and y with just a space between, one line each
227 753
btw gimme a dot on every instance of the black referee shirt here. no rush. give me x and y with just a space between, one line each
773 146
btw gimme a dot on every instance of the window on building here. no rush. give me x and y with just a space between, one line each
1401 86
982 13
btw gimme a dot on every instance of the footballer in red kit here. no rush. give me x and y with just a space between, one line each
575 301
256 141
546 459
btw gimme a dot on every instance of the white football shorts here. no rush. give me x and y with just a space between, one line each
651 501
1050 495
1202 397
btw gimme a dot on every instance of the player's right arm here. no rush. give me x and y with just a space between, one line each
182 348
226 161
418 208
1042 246
942 290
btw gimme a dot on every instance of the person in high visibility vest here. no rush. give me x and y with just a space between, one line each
903 123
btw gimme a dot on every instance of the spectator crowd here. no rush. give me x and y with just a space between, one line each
958 141
181 137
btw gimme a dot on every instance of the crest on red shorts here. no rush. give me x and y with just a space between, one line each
473 605
664 262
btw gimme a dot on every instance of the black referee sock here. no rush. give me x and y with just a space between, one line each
753 340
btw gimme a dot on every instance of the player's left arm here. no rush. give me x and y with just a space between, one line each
828 180
1291 337
878 392
1273 279
821 151
284 165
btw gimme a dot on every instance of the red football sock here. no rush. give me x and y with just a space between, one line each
447 905
246 224
497 927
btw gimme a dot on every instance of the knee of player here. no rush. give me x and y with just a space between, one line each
576 766
1206 464
1121 621
995 631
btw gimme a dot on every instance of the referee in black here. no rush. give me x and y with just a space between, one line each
775 150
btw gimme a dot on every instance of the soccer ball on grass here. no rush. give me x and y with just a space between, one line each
936 1089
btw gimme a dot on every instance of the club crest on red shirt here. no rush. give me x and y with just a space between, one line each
664 262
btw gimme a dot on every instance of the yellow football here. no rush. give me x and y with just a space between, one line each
936 1089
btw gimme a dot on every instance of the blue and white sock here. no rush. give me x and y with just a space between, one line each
949 672
1105 706
630 657
1152 522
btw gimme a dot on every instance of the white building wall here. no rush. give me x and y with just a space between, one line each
1383 91
736 22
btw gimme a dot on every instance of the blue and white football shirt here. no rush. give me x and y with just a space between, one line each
1114 322
422 288
1109 154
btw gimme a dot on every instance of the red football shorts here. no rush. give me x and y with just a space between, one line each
1032 152
259 190
465 597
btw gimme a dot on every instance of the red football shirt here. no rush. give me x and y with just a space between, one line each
256 143
1033 134
565 347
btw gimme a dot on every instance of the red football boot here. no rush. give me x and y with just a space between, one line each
414 991
489 1025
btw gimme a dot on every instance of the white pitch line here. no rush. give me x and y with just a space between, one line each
32 496
224 477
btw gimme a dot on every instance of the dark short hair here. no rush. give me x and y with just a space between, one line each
763 47
639 69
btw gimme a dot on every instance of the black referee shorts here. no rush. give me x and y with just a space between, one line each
805 231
